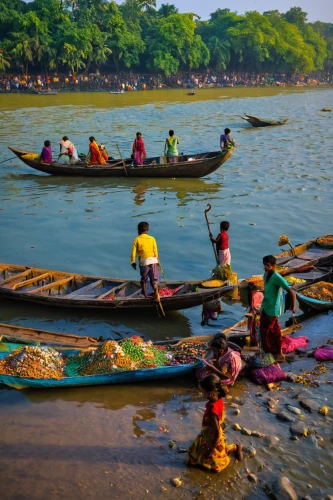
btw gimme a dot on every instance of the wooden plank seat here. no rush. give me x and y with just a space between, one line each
49 286
84 289
22 284
17 276
113 290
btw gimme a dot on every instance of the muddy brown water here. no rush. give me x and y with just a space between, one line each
110 441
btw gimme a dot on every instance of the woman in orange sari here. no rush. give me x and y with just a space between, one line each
95 157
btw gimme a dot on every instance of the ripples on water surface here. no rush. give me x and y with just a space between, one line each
279 181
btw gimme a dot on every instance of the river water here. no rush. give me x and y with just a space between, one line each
279 181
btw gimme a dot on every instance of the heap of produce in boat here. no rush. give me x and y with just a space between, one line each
258 281
294 281
325 241
320 291
33 362
188 352
133 353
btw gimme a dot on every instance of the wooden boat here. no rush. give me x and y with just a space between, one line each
132 376
55 288
309 253
258 122
190 166
308 304
241 330
117 92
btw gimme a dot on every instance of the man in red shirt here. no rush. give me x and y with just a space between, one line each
222 244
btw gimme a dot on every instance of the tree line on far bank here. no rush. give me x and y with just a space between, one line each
86 35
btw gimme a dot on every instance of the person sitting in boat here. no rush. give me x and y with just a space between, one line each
225 140
46 154
103 151
68 150
146 248
138 148
226 364
94 156
170 148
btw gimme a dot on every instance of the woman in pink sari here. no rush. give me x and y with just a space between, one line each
227 363
138 149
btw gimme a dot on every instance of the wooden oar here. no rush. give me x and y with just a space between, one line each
13 158
210 233
124 164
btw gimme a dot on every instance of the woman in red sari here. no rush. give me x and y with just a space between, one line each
138 149
95 156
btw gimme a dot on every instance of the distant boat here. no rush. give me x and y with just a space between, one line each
47 92
117 91
191 93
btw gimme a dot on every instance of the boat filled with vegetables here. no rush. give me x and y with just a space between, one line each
316 297
112 362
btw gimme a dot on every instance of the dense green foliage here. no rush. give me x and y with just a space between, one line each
85 35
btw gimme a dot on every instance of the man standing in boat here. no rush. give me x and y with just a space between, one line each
270 331
146 248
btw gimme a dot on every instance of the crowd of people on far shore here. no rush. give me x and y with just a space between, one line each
134 81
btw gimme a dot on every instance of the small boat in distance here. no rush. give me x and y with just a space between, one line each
117 92
192 92
60 289
194 165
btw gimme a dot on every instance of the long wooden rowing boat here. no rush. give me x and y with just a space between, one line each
126 377
194 165
62 343
55 288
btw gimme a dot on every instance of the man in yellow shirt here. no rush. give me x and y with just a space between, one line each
145 247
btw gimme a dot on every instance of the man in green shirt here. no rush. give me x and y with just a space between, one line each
270 331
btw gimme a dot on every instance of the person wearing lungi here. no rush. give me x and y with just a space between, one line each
270 331
146 248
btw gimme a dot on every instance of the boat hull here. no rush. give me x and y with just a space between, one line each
183 169
126 377
308 303
58 298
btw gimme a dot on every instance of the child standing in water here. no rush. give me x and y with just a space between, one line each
222 244
210 450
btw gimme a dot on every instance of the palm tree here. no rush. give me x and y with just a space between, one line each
22 52
167 9
220 51
4 62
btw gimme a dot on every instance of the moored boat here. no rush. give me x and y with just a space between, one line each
60 289
112 378
308 253
317 299
188 166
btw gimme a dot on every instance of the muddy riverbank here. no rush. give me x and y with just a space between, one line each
84 443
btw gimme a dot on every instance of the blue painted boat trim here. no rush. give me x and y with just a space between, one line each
128 377
314 301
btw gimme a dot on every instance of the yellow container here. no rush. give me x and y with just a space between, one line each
233 294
